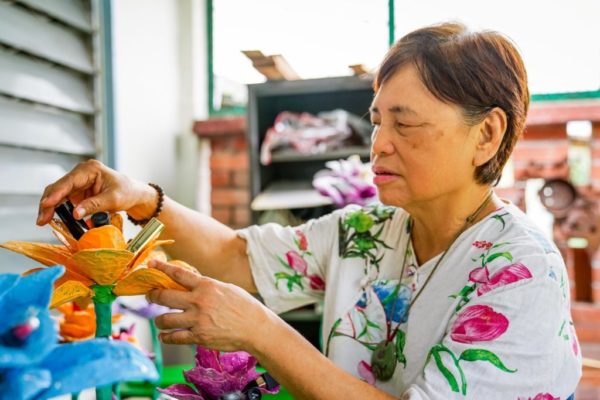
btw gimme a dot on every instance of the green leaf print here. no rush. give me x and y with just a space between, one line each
506 255
400 342
360 221
445 371
484 355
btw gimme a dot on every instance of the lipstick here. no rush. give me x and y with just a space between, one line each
76 227
151 231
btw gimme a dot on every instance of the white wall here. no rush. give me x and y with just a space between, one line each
160 88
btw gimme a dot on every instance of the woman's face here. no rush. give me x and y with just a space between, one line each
421 147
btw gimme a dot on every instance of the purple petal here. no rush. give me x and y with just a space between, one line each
208 358
181 392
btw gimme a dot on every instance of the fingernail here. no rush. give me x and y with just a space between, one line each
43 200
79 212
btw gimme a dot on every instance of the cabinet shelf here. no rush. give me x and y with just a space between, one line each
283 195
283 156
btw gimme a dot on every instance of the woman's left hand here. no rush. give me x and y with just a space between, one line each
216 315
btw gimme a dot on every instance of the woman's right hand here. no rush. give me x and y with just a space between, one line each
93 187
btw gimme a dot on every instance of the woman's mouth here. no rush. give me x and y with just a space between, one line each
383 176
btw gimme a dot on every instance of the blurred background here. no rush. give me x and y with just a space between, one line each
191 94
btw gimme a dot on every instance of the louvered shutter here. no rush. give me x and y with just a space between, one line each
50 115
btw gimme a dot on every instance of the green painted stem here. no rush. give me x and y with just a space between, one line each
103 300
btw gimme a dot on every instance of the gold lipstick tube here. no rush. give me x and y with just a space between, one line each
151 231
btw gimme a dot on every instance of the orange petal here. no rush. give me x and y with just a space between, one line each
63 235
70 291
142 280
143 255
116 219
44 253
104 237
103 266
47 254
67 276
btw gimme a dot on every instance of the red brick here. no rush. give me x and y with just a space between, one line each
537 132
230 144
222 214
595 146
546 151
585 312
220 127
230 197
220 177
241 216
240 179
596 295
229 161
587 332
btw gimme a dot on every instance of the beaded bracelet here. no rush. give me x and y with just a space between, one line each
159 204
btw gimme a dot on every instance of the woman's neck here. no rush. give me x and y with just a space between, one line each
436 223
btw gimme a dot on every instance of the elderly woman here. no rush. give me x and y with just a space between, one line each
442 291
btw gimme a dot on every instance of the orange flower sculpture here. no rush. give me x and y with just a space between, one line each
78 323
98 264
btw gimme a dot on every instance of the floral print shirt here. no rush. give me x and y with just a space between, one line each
493 322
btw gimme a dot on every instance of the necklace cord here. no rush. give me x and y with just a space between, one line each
468 222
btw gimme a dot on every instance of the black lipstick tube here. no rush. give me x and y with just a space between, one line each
77 227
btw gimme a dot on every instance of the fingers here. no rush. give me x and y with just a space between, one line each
175 320
185 277
102 202
177 337
82 177
170 298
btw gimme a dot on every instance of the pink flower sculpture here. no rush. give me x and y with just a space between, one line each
215 375
478 323
505 275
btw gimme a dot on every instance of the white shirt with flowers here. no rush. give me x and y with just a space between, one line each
493 322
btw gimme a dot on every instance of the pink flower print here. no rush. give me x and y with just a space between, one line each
477 324
301 240
482 244
296 262
574 342
366 372
541 396
505 275
316 282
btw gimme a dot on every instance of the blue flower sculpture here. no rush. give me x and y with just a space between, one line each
32 363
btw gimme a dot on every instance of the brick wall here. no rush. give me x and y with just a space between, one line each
229 165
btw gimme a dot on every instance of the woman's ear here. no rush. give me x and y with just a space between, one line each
491 131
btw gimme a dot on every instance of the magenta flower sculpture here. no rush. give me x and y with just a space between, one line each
346 182
216 375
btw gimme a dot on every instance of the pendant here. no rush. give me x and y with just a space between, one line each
383 360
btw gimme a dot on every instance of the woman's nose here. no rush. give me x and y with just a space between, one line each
380 141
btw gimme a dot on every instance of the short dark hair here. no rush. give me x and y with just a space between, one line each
477 71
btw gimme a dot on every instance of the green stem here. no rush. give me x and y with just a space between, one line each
103 299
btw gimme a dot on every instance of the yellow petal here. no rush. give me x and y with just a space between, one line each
103 266
142 280
70 291
143 255
104 237
116 219
63 235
